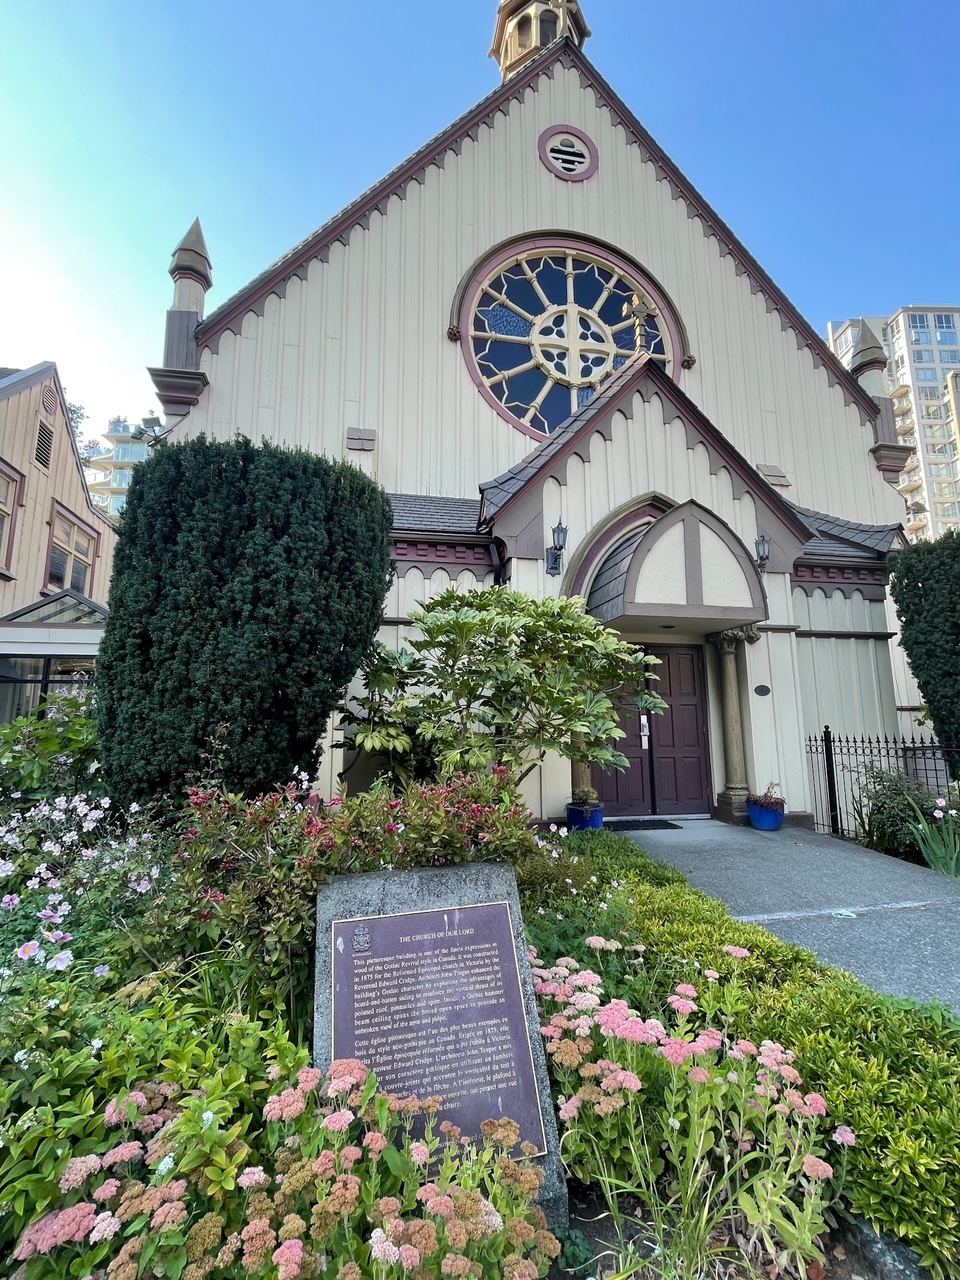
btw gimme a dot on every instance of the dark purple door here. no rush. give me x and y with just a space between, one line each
669 765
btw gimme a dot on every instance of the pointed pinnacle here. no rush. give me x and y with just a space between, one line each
191 255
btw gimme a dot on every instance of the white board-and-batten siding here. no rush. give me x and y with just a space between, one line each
362 342
21 414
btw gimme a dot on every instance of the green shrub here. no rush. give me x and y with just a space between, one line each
886 818
890 1069
248 584
51 752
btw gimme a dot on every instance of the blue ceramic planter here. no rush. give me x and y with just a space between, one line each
764 819
580 818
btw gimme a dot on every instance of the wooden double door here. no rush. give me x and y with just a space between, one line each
669 756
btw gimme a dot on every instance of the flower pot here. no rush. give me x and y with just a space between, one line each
583 818
764 819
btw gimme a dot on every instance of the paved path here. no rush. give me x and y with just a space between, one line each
894 925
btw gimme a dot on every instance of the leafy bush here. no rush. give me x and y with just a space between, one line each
891 1069
51 752
330 1179
886 817
926 590
498 677
248 584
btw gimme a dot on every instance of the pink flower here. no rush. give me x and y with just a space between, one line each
676 1052
699 1075
28 950
349 1156
77 1172
708 1041
816 1104
107 1190
252 1177
325 1165
941 804
443 1207
289 1258
121 1155
551 1033
681 1006
419 1153
287 1106
738 953
409 1257
744 1049
169 1216
711 974
844 1136
685 989
382 1249
309 1079
338 1122
569 1109
636 1031
816 1168
375 1144
105 1227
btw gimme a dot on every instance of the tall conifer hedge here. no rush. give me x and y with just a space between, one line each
926 589
248 585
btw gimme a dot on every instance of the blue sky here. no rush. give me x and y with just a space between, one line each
825 132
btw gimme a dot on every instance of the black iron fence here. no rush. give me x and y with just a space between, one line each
839 767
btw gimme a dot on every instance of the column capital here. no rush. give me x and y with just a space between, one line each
727 641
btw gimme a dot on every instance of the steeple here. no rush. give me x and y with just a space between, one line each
527 27
179 382
191 270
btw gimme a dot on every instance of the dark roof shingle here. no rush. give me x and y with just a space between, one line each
421 513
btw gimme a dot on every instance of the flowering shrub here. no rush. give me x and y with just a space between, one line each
51 752
939 838
721 1127
337 1184
74 878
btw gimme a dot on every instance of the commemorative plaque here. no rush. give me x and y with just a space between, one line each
424 977
431 1002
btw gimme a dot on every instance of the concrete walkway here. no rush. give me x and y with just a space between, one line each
894 925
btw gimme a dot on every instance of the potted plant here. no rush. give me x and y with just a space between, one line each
584 812
766 811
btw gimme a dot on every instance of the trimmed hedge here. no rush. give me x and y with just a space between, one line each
890 1069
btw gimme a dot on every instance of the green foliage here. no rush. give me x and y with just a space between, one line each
889 1069
248 585
886 812
926 589
498 677
51 752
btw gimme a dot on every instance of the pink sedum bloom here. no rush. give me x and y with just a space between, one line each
252 1177
338 1122
738 953
419 1153
409 1257
676 1052
685 989
816 1168
844 1136
681 1006
699 1075
381 1248
289 1259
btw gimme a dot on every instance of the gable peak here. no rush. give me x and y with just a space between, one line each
526 27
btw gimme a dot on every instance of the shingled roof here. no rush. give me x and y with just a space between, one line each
419 513
836 538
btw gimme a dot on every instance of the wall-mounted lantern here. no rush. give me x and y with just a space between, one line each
555 553
762 545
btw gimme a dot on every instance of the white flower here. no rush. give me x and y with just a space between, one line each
134 808
20 1057
62 960
674 1123
6 869
53 1004
93 766
96 1044
166 1164
206 1120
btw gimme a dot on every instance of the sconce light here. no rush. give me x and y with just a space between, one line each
555 553
762 545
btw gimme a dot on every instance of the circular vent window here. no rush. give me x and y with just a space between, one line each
48 398
568 153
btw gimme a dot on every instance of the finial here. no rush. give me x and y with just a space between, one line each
191 259
526 27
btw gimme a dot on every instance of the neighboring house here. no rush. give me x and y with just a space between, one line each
916 354
56 547
112 470
573 378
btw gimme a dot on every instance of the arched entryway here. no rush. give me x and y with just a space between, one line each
678 582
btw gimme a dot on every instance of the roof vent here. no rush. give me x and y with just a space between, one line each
48 398
44 450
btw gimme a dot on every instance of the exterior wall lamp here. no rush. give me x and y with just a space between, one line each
555 553
762 545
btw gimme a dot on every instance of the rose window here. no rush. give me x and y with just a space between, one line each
547 328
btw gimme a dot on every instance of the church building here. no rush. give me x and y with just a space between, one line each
572 378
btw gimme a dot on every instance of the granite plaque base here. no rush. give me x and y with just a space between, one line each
423 975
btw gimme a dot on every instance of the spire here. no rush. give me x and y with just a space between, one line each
191 259
527 27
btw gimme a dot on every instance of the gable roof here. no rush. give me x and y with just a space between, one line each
567 53
498 494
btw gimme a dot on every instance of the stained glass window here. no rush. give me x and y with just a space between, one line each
548 328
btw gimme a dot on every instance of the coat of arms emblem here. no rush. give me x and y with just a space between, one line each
361 940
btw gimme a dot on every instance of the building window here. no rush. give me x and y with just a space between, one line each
524 33
943 470
940 450
950 357
930 393
919 322
548 28
945 489
949 509
924 357
73 548
130 452
927 375
920 337
10 482
547 327
946 321
844 342
26 682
